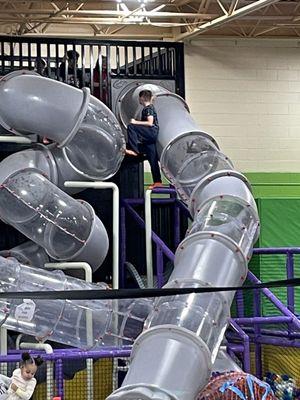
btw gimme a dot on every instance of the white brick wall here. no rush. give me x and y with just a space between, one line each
246 93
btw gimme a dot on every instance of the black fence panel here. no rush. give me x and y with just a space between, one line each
92 63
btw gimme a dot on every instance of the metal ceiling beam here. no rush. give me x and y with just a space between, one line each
111 13
224 19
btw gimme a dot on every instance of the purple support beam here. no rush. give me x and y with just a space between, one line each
105 353
263 320
276 250
176 223
277 341
235 348
59 378
159 267
122 245
239 299
273 332
257 314
277 303
156 239
246 342
163 190
184 209
290 275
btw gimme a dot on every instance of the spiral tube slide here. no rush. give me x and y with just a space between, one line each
173 357
90 145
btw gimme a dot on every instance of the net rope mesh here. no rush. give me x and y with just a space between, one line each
236 386
76 380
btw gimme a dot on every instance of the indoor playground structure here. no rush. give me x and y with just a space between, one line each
181 347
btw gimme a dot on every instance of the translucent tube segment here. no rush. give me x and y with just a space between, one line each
68 116
28 253
205 314
215 252
232 218
68 229
98 148
84 324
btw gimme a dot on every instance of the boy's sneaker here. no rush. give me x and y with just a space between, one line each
155 185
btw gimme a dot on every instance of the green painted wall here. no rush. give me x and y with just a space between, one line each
266 184
274 184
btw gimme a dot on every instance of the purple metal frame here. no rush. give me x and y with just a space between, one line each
243 330
246 329
60 355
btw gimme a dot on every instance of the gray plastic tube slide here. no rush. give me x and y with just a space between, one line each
173 357
88 145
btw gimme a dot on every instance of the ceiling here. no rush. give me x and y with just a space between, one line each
152 19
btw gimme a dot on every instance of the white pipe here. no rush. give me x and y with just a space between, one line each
37 346
49 364
14 139
18 341
116 207
148 231
88 272
3 349
73 265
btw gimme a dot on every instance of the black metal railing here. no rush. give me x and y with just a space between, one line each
93 63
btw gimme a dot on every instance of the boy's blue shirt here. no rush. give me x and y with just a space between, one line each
149 111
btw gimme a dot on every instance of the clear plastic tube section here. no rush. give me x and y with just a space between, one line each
90 146
68 229
28 253
92 137
84 324
215 252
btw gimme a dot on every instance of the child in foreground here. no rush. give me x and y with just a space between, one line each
23 381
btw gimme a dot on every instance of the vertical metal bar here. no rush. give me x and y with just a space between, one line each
179 69
108 77
11 55
148 237
66 63
258 352
59 378
122 245
38 50
75 66
159 60
151 61
92 68
2 59
56 56
29 55
103 85
176 218
134 60
240 309
290 275
126 60
3 349
21 54
168 63
48 60
159 266
246 343
118 59
143 60
83 64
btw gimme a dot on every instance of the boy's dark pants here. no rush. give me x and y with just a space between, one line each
143 139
